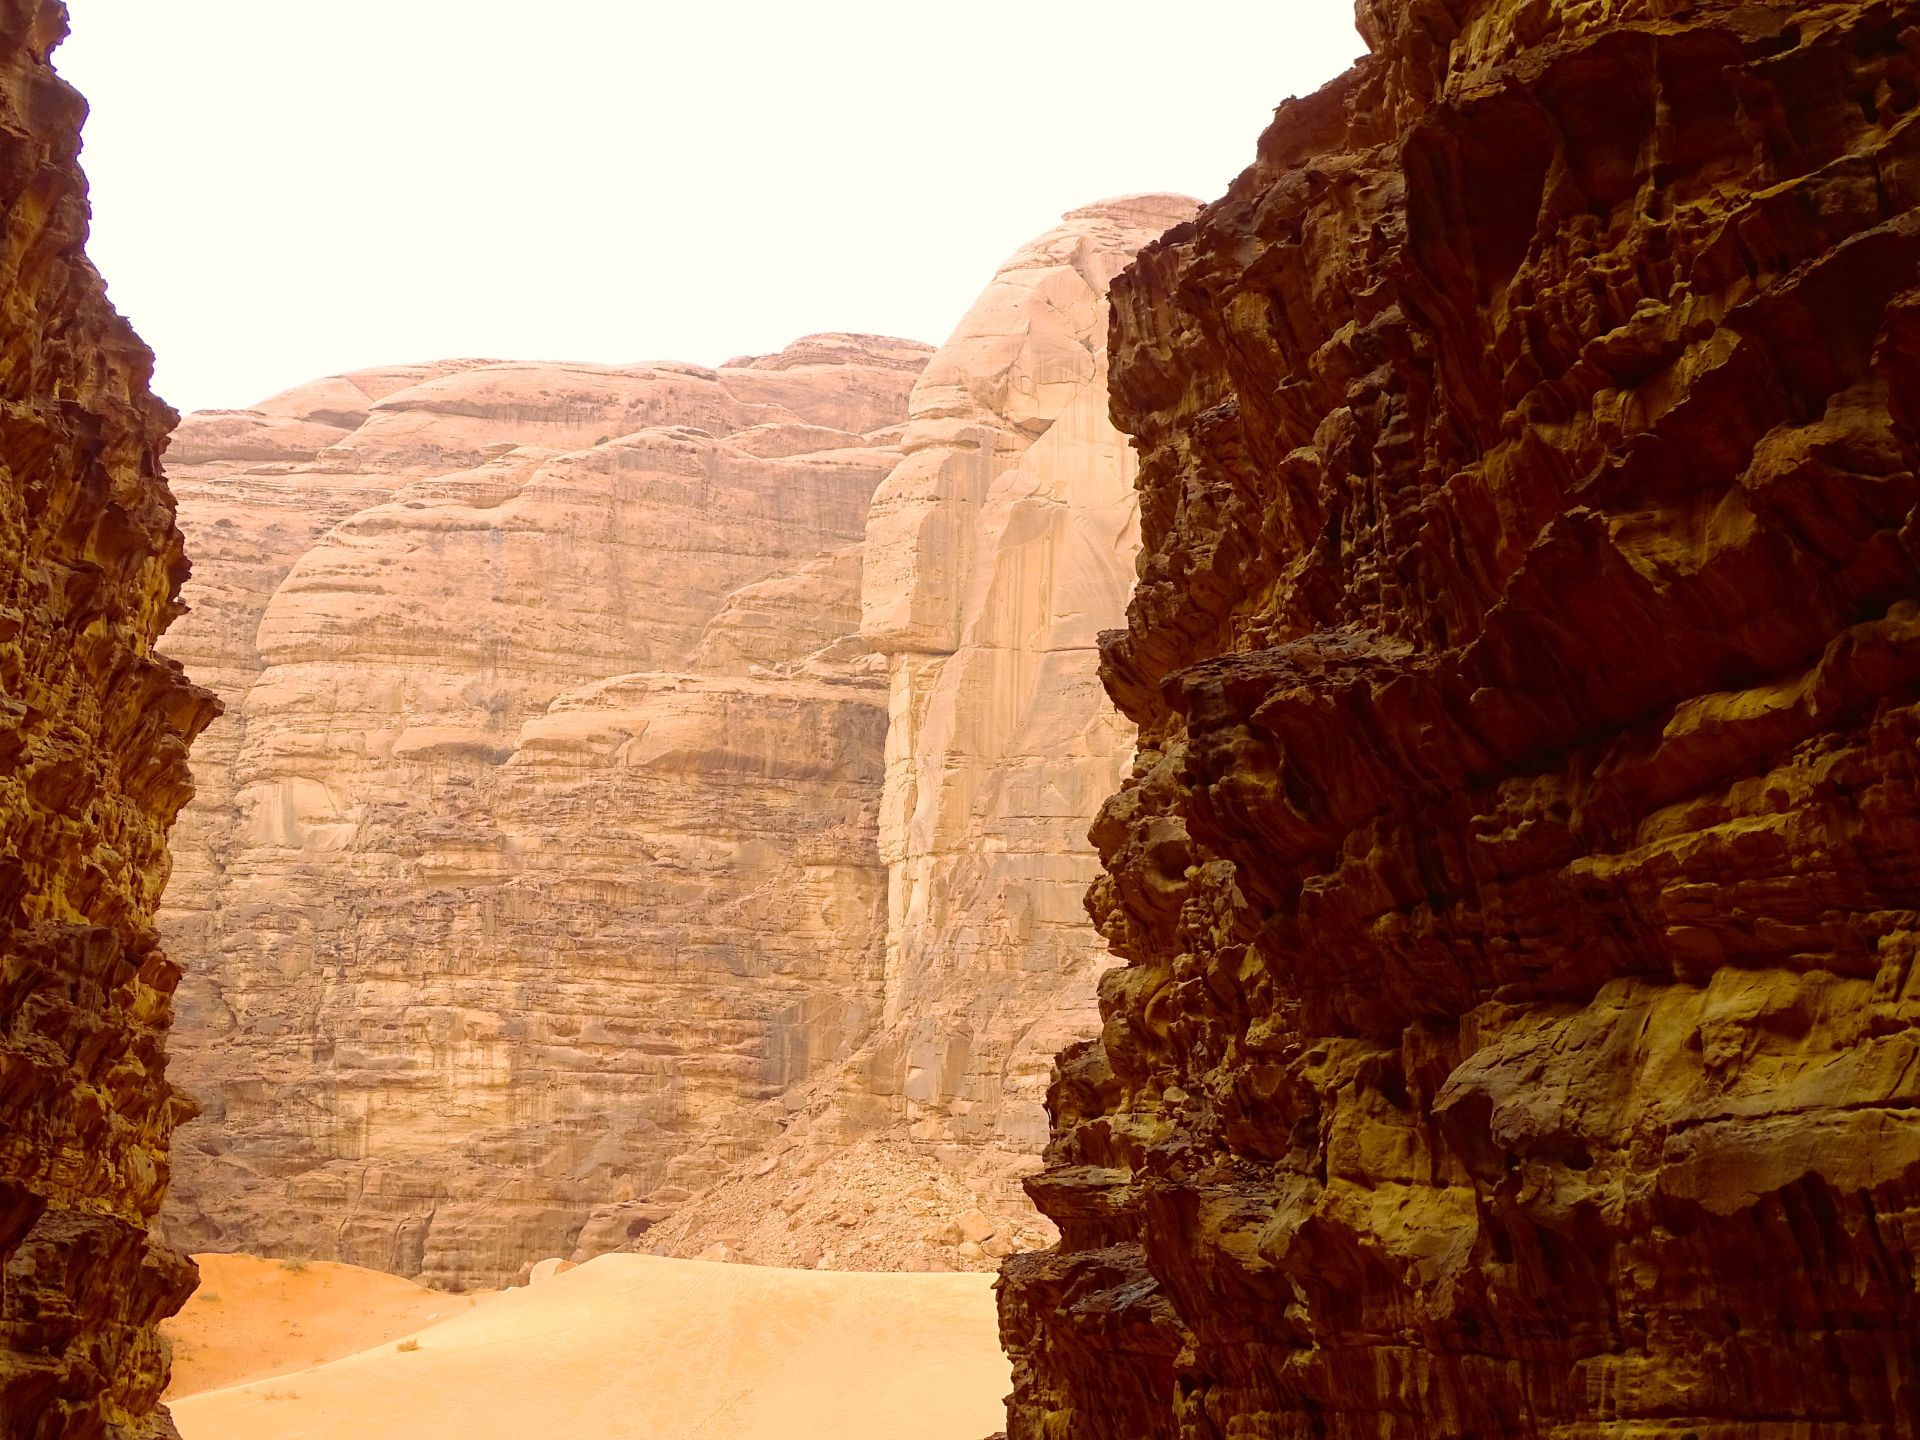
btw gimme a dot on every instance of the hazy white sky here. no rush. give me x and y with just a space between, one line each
287 188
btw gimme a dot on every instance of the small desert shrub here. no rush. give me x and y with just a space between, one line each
406 1346
294 1266
209 1297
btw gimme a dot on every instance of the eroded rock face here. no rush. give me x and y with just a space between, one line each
94 729
538 848
1519 877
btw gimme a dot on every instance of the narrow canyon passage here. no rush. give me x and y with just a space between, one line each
1309 827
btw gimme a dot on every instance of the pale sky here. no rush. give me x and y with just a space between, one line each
284 189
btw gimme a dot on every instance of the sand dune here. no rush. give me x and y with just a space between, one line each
633 1347
252 1319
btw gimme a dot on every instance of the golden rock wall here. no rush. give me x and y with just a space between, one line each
94 729
1520 876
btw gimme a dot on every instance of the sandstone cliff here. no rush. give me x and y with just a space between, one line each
537 848
997 549
1520 1033
618 815
94 728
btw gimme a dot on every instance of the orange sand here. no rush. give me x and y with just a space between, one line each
251 1318
635 1347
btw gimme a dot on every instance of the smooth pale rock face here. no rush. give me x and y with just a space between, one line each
1520 1034
537 847
998 548
94 729
995 552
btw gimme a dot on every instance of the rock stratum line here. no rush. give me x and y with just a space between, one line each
1519 878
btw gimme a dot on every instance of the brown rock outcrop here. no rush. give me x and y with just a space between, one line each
94 728
1520 876
537 851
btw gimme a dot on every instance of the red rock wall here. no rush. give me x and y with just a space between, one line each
94 730
1520 878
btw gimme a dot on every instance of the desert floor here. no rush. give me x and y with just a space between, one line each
253 1319
626 1347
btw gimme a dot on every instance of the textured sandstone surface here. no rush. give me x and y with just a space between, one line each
625 834
537 848
995 552
1518 881
94 728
